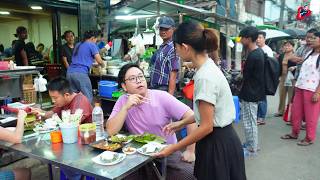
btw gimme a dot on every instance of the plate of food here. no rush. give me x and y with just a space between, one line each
129 150
147 137
106 146
120 138
109 158
151 148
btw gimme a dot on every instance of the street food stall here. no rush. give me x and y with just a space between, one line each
45 142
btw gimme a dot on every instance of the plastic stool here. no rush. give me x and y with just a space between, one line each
183 132
237 107
64 177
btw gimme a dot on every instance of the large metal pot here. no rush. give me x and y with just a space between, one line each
113 70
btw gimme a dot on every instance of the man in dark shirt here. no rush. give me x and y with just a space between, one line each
19 46
67 50
253 88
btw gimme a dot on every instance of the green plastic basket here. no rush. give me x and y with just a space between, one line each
117 94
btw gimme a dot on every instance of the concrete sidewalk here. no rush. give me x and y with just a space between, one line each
281 159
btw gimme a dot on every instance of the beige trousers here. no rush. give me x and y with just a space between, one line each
283 92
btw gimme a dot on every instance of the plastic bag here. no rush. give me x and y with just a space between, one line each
287 114
40 84
289 78
188 90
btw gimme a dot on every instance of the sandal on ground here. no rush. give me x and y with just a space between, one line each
304 142
261 123
278 115
288 136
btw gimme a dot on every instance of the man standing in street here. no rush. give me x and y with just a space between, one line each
263 105
253 88
165 62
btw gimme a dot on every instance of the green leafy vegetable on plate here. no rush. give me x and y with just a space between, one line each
147 137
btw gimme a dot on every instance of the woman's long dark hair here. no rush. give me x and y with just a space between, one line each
317 34
87 35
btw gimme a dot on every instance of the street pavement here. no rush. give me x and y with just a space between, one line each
281 159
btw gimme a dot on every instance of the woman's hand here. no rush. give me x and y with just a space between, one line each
188 156
171 128
167 151
315 97
22 115
291 68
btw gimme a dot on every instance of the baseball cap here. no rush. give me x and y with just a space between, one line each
166 22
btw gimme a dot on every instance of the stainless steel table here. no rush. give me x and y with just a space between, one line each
77 157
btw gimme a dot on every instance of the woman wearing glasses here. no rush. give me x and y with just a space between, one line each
306 102
145 110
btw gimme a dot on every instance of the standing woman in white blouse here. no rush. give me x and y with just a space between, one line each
306 102
219 154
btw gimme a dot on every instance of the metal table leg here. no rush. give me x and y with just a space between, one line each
50 171
163 174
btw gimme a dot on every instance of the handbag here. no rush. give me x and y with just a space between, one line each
188 90
288 80
287 114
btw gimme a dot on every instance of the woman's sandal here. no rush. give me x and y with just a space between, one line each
288 136
304 142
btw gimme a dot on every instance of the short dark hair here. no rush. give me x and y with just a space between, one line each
67 32
250 32
312 30
20 30
60 84
40 44
87 35
290 42
124 69
264 34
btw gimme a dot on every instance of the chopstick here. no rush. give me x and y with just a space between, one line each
144 99
25 122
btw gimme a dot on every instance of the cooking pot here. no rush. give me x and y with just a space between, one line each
113 70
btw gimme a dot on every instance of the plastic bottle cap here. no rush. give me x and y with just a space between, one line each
96 104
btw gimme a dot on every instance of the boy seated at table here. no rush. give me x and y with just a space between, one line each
64 99
15 137
145 110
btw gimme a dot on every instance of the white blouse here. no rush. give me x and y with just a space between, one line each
211 86
309 77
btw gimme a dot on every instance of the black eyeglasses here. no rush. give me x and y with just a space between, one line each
134 79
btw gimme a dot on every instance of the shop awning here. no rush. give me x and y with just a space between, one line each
151 9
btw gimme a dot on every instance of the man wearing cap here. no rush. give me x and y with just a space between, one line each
19 51
165 62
